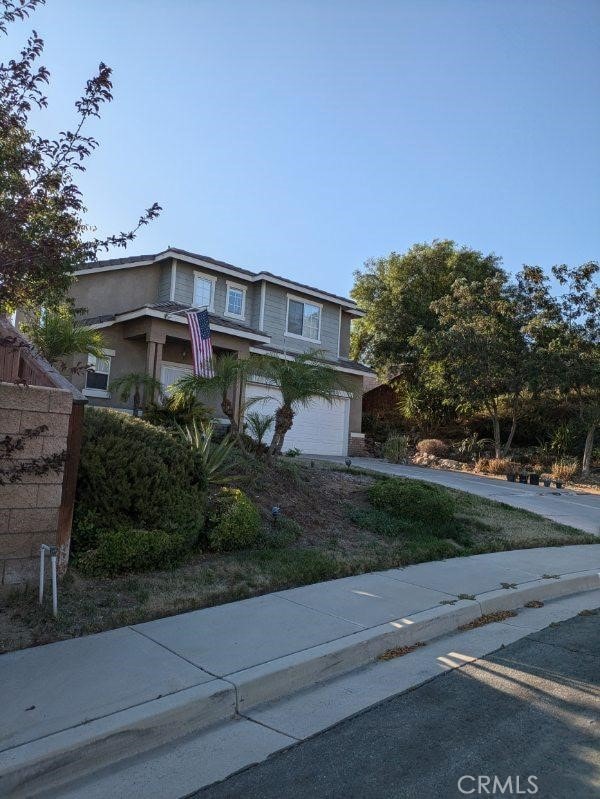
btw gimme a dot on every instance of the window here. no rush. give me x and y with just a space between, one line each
303 319
204 291
236 301
97 375
171 373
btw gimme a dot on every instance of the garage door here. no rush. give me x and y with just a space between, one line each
319 429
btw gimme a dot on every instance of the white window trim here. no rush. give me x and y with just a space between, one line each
237 287
304 301
213 280
99 392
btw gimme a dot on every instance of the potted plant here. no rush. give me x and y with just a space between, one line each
546 480
534 479
522 477
511 476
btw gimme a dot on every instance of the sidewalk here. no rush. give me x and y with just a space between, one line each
169 676
573 507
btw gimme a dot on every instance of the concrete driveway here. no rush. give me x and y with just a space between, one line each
575 508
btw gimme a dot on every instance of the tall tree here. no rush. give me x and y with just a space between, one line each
479 356
42 229
396 293
566 327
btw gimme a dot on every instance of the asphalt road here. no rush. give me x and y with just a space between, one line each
530 710
579 509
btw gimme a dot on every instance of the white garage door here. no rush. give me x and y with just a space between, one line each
319 429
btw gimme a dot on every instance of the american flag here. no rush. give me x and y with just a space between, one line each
201 343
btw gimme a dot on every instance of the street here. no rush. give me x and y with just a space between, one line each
530 711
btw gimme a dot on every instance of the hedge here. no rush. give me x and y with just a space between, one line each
135 475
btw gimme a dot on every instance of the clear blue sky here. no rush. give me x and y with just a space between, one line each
305 136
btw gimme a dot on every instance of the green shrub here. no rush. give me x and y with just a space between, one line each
130 550
132 474
412 499
283 534
237 521
395 448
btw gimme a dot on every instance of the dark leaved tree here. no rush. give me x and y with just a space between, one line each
43 236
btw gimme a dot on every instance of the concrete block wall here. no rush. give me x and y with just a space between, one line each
29 509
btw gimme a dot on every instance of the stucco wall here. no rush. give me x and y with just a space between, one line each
29 509
118 290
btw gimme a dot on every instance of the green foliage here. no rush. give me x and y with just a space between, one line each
57 334
412 532
236 519
283 533
299 380
134 383
258 425
172 414
132 474
289 567
395 448
131 550
217 458
396 293
293 452
412 499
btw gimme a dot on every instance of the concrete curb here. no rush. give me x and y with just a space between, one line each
51 761
47 762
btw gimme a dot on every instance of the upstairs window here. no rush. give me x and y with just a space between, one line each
303 319
236 301
204 291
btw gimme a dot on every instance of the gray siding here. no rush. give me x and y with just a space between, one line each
275 318
184 289
274 312
345 336
164 283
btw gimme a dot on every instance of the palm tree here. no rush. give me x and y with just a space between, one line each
299 381
134 383
229 370
56 334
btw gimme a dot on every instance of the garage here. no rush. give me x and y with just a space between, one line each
319 429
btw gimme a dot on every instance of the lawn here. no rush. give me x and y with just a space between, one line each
327 529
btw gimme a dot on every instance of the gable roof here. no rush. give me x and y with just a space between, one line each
198 259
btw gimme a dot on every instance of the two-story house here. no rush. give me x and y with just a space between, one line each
139 304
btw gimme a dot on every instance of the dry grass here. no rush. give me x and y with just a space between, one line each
321 500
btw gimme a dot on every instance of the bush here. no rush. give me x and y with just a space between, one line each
134 475
411 499
563 470
395 448
236 521
496 466
433 446
130 550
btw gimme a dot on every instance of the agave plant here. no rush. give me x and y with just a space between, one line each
217 459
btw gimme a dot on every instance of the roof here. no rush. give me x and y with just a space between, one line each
174 252
169 307
174 308
343 363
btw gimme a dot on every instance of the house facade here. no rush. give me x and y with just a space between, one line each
139 304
